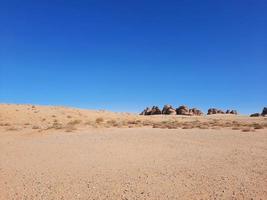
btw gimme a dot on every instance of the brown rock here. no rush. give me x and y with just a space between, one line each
196 112
182 110
168 110
212 111
155 110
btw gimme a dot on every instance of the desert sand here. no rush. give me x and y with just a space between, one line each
51 152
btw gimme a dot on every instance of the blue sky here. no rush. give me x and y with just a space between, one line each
126 55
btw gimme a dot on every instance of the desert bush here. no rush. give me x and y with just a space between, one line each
246 130
156 126
258 126
5 124
70 128
56 125
99 120
26 124
201 126
69 116
11 129
236 128
35 127
74 122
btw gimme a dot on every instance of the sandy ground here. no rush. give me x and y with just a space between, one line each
140 162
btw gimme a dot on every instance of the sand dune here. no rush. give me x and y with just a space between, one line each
51 152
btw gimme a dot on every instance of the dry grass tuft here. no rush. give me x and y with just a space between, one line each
99 120
70 128
246 130
258 126
56 125
5 124
12 129
74 122
35 127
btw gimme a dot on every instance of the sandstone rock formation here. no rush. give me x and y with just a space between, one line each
212 111
168 110
182 110
155 110
195 112
234 112
147 111
151 111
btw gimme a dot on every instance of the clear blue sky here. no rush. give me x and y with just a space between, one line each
126 55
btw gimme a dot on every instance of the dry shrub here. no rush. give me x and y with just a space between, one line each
70 128
258 126
56 125
5 124
69 116
90 123
147 123
44 119
11 129
203 127
99 120
53 115
236 128
26 124
246 130
156 126
35 127
187 127
74 122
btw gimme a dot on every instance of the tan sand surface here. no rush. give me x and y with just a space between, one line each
103 155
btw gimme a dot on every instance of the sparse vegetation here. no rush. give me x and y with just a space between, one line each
5 124
99 120
35 127
74 122
12 129
246 130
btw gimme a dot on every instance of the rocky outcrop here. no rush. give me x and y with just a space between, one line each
182 110
264 111
155 110
151 111
168 110
195 112
255 115
213 111
233 112
147 111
